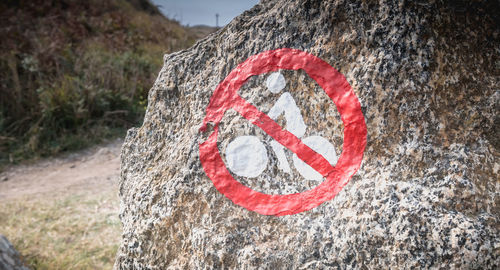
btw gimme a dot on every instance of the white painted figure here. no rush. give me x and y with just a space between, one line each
247 155
275 82
323 147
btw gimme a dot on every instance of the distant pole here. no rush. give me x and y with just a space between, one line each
217 20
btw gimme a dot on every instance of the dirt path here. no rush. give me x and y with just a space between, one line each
62 213
95 169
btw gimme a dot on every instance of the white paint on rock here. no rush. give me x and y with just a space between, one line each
280 155
323 147
294 122
246 156
275 82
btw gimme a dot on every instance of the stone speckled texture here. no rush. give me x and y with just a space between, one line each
9 257
427 75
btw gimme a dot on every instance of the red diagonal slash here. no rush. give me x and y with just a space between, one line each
286 138
336 87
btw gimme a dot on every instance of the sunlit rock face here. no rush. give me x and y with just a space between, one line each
427 76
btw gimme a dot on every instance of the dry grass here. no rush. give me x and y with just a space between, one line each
64 231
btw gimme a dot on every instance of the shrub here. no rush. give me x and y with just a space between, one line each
75 72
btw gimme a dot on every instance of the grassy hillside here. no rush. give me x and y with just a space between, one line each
74 72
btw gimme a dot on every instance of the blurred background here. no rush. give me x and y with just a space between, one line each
74 76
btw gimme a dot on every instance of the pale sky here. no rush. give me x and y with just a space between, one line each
194 12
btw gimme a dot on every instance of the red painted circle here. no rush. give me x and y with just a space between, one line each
336 87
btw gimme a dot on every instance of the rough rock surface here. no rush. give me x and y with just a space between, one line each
9 257
427 75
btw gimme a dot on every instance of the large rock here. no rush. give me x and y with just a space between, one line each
426 74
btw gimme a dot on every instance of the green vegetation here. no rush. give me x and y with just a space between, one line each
75 72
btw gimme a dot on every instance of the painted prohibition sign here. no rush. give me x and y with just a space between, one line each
226 97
